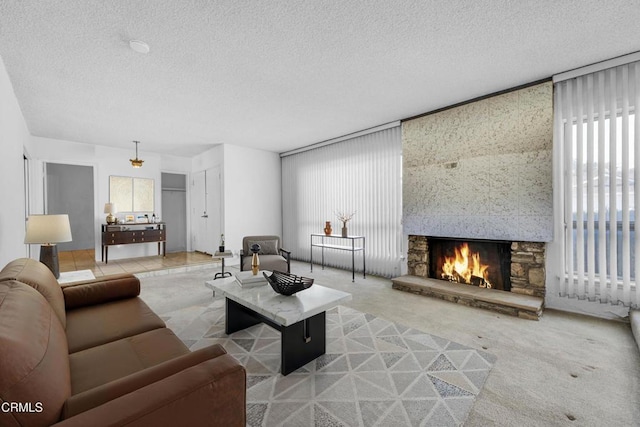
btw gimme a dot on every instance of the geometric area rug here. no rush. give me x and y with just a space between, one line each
374 373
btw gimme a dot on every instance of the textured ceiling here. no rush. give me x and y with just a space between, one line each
281 74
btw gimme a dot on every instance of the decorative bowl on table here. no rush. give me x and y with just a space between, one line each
286 283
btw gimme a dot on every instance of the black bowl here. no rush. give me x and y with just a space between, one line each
286 283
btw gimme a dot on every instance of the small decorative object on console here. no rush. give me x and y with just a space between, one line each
288 284
221 247
327 228
344 218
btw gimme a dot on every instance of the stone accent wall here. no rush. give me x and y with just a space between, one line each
495 154
527 264
527 268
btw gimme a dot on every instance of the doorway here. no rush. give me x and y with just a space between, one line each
206 201
174 210
69 190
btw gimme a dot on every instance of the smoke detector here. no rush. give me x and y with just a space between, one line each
139 46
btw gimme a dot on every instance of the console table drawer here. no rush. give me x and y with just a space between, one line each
122 237
153 234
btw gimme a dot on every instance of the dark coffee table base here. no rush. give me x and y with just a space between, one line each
301 342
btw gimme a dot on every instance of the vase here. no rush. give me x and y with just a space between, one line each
327 228
220 248
255 264
344 231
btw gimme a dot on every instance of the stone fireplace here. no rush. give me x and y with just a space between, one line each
526 264
482 171
523 289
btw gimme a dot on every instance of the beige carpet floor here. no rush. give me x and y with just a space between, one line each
565 369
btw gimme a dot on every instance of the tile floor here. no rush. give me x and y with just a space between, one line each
85 260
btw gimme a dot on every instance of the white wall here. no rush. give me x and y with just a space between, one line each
14 139
208 159
252 194
108 161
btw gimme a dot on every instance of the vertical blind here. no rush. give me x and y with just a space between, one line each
361 175
599 129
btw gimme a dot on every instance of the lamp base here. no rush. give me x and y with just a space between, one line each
49 257
111 219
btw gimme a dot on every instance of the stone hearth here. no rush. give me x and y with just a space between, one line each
524 306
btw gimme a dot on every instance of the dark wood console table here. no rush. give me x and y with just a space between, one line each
126 234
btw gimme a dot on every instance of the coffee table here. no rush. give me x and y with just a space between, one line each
300 318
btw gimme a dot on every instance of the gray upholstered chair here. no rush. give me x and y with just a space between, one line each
272 256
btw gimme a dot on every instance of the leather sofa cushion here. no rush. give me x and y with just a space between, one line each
38 276
102 394
34 363
99 365
99 324
100 291
211 393
267 262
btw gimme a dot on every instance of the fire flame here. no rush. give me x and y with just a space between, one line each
466 269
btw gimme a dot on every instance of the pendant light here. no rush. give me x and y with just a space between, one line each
136 163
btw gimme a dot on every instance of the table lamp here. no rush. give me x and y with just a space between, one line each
48 230
110 208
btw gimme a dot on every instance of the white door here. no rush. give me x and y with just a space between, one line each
207 203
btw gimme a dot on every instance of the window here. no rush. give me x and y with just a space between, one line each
587 180
598 132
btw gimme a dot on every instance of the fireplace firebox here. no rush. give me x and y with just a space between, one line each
482 263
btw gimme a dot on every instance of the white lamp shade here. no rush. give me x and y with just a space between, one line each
110 208
48 229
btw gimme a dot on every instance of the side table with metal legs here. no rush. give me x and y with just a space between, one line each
222 256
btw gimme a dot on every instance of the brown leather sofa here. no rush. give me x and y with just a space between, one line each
94 354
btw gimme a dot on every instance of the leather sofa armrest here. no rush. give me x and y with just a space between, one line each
97 396
99 291
212 393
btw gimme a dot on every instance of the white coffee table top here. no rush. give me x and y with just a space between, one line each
285 310
76 276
